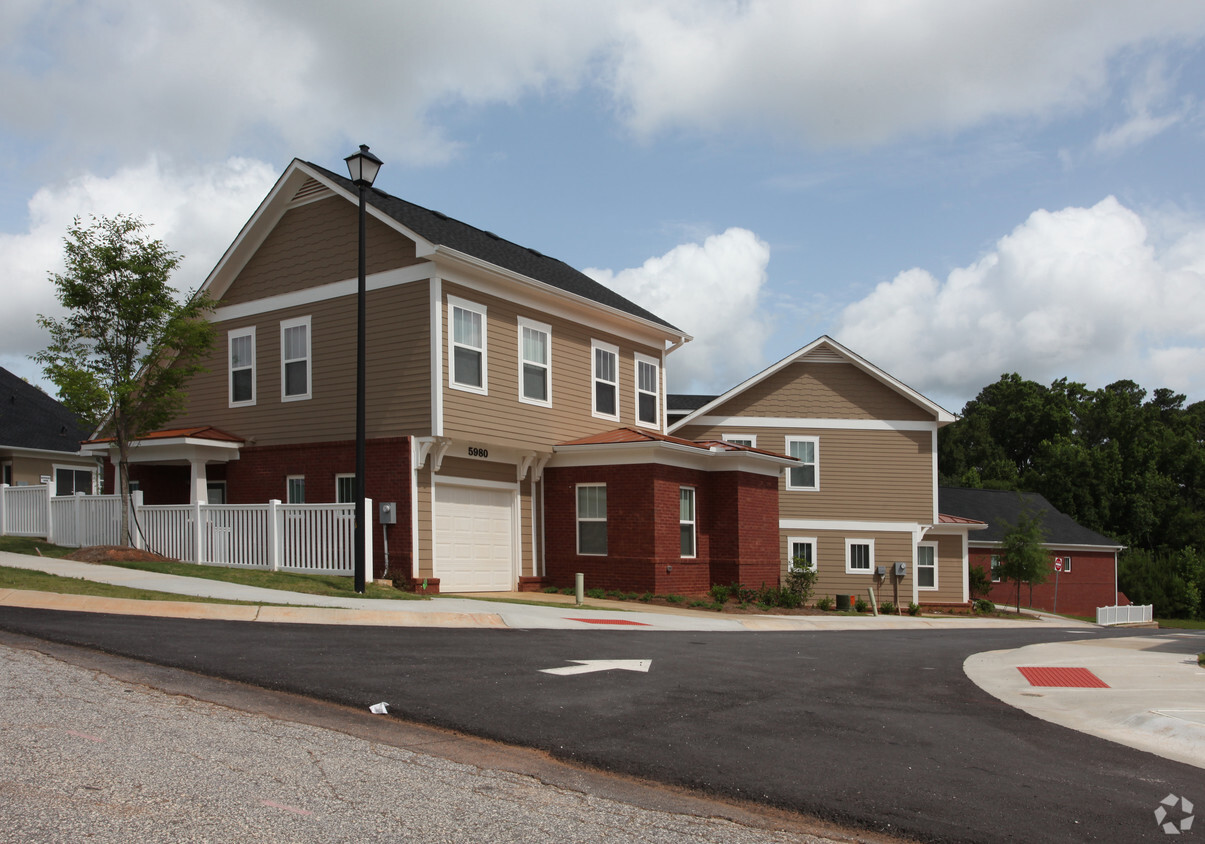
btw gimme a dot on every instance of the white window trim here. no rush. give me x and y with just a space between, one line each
286 324
594 380
340 476
792 541
524 322
232 335
288 484
732 438
55 468
816 463
1066 558
578 519
656 394
693 522
849 543
465 305
936 567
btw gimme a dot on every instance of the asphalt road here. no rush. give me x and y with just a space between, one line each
880 730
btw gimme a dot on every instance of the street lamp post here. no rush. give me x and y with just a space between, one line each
363 166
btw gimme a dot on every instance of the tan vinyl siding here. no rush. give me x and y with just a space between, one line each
425 556
831 578
822 391
525 529
314 244
478 470
500 417
397 376
949 571
870 475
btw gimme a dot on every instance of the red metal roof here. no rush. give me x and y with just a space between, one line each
205 432
943 519
621 436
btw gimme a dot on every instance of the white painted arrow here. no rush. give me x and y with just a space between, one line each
586 666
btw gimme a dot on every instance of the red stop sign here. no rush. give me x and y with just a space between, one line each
1058 563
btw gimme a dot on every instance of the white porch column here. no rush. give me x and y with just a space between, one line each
200 482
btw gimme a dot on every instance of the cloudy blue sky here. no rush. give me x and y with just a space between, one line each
954 190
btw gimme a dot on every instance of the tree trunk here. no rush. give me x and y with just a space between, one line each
123 481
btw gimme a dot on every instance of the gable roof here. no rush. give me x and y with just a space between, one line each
829 348
31 419
1002 508
441 230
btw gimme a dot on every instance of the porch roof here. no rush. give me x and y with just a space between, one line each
174 445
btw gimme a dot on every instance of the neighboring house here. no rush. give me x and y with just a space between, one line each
1088 560
515 407
40 440
864 496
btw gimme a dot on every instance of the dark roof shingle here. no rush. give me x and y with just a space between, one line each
31 419
1002 508
443 230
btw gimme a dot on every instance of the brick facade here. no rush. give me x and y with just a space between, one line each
736 536
1089 584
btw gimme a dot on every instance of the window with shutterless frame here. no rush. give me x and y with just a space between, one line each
604 373
345 489
686 520
995 568
467 345
806 476
648 391
859 556
295 359
535 362
740 439
295 489
241 344
926 565
801 553
592 519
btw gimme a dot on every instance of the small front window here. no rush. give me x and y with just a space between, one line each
686 520
534 367
926 566
606 380
648 391
806 476
802 553
295 489
749 440
592 519
345 489
467 342
859 556
242 367
295 359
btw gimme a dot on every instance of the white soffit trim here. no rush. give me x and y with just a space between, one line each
849 526
323 292
941 415
477 274
825 424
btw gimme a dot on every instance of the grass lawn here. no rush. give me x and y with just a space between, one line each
1182 623
310 584
40 581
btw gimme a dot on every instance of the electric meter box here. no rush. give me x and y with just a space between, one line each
901 569
389 512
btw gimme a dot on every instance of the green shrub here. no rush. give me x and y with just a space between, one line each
979 583
886 608
744 594
698 602
568 590
914 608
596 594
615 594
646 597
551 590
860 605
631 596
801 581
674 599
825 603
721 594
983 605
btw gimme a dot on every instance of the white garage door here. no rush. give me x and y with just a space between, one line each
474 539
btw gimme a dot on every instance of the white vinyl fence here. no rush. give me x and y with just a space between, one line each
308 538
1124 615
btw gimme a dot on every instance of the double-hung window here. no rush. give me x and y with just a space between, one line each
295 489
801 552
242 366
535 382
345 489
592 519
859 556
926 565
995 568
648 391
295 359
605 373
686 519
741 439
466 346
806 476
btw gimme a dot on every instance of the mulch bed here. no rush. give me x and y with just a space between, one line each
115 553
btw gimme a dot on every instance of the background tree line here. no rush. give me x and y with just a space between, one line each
1117 460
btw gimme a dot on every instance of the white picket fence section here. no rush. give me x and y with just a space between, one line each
307 538
1124 615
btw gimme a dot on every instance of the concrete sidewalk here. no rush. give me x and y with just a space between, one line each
1154 700
297 607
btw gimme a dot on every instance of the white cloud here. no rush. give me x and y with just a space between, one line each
713 292
196 212
1148 95
1081 292
281 78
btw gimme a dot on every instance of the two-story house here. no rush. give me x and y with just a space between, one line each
515 407
864 495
